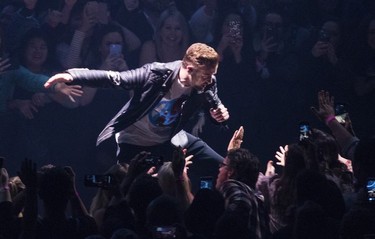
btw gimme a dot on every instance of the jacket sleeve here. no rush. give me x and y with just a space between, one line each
105 79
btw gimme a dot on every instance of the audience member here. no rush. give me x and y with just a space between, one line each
55 187
280 190
326 65
142 191
236 180
165 218
171 39
232 42
103 197
273 59
12 125
202 22
174 180
313 186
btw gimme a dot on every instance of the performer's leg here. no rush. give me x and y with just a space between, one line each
201 150
126 152
205 160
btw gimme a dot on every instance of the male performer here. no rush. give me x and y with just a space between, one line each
165 96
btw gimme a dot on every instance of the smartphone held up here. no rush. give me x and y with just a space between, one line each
341 113
99 181
115 49
304 131
206 182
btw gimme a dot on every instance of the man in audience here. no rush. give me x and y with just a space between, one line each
236 180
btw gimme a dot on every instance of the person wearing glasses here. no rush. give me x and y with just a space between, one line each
236 180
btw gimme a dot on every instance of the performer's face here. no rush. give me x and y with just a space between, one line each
201 77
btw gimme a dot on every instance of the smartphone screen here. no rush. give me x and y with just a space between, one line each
304 131
206 182
341 113
371 190
115 49
323 36
165 232
235 29
97 180
341 118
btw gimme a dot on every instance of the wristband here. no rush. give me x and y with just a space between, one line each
329 119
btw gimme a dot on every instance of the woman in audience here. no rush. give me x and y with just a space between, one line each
103 196
280 190
36 55
326 66
81 31
175 182
171 39
326 153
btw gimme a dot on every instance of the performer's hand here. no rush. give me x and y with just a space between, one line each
220 114
61 77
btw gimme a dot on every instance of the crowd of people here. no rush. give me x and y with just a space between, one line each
64 65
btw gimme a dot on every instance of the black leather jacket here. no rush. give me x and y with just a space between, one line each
149 84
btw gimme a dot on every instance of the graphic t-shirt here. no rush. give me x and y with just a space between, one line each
155 127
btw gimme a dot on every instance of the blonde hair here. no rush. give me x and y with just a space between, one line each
166 14
178 188
201 56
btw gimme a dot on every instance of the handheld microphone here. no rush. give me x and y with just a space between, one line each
214 103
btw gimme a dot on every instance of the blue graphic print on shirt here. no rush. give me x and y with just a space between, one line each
166 112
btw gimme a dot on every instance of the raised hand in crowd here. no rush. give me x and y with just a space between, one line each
141 163
28 175
236 139
89 18
66 10
326 113
78 207
232 37
178 163
326 110
280 155
4 184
